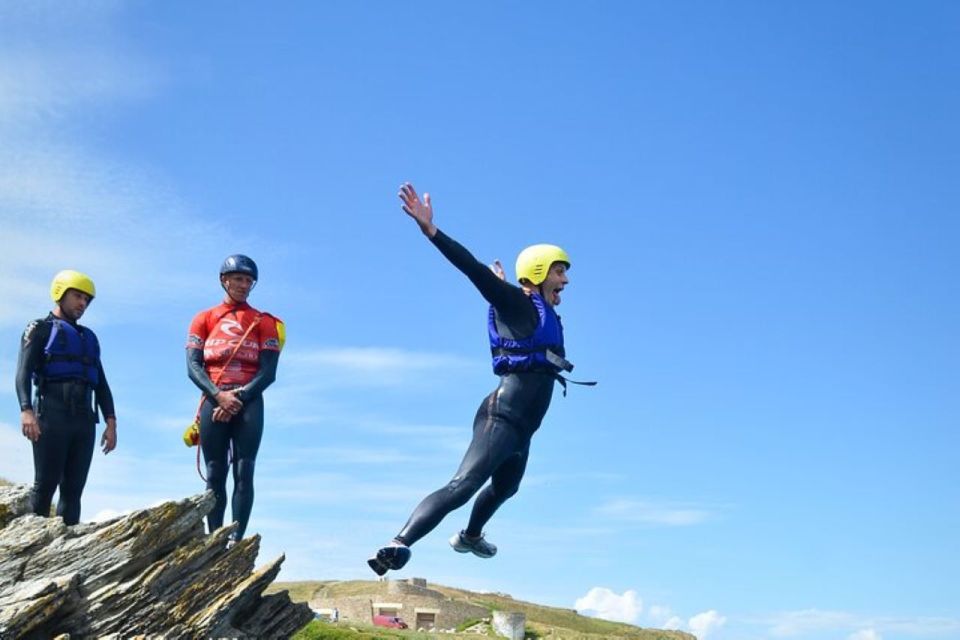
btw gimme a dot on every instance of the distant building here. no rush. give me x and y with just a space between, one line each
418 606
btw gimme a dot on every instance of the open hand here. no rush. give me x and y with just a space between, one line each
109 440
497 269
420 211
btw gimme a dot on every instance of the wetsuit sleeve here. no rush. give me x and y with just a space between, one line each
198 374
272 335
196 336
32 343
511 303
104 395
266 374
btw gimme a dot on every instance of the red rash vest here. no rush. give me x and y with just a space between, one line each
219 329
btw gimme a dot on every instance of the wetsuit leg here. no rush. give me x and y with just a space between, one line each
214 440
503 485
247 431
80 444
49 457
493 442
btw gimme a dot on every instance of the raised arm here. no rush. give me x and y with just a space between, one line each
420 211
509 300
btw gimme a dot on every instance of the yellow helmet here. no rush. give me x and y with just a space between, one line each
534 262
70 279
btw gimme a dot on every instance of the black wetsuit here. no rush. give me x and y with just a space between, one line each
67 417
505 421
244 431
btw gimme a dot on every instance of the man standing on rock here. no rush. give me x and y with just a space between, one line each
526 341
62 359
232 355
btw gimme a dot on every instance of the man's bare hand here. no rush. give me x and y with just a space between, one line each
109 440
420 211
30 425
229 402
497 269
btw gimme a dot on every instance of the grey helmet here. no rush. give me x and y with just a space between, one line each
239 263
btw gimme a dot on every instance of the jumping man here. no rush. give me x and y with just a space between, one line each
526 341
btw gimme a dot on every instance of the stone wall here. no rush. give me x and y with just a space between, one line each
410 598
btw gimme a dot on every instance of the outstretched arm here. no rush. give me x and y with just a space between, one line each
510 301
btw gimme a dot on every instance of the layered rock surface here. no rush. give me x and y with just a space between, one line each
153 572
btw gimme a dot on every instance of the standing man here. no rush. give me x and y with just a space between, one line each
526 341
62 359
232 355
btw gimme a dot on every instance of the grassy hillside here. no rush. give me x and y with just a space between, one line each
542 622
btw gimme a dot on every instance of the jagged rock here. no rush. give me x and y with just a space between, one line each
151 573
14 501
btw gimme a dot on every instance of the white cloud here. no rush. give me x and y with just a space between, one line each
865 634
651 513
601 602
704 624
55 58
39 86
672 623
123 225
63 203
663 617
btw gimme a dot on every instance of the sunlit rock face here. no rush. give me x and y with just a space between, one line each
153 572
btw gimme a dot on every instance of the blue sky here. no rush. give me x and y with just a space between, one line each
756 198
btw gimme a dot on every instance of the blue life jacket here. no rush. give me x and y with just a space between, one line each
541 351
71 355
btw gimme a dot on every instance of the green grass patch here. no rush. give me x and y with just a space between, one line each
318 630
466 624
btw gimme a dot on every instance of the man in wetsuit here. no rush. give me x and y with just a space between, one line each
527 346
62 359
232 355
